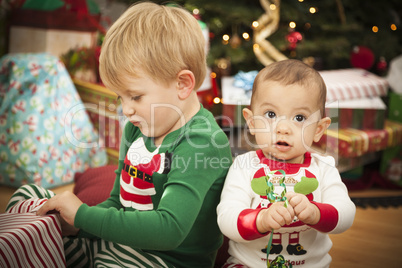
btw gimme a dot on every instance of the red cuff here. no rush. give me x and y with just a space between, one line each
247 226
329 218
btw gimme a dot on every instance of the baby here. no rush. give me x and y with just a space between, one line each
287 115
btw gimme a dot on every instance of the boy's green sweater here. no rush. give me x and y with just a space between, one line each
180 226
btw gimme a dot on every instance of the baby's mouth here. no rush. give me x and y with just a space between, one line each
282 143
282 146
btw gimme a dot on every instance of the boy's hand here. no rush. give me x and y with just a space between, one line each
274 217
66 204
306 211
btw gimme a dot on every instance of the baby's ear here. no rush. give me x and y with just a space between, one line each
185 83
323 124
249 117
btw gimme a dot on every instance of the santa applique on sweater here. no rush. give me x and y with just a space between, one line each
297 179
136 179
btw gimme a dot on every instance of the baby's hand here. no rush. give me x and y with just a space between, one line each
306 211
274 217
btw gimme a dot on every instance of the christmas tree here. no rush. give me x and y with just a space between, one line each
324 33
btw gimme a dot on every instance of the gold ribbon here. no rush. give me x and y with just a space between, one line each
267 25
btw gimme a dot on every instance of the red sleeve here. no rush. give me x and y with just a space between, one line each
329 218
247 226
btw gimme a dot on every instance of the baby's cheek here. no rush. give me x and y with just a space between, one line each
308 134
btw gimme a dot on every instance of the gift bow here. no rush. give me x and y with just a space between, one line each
268 190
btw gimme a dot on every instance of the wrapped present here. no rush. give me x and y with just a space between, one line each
103 109
394 130
232 116
353 98
110 132
53 26
108 126
27 240
234 99
365 113
391 164
45 134
347 84
97 94
394 107
351 142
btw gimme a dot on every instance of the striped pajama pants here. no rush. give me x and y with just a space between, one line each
84 252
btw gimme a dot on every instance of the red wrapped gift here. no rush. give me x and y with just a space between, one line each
109 129
27 240
365 113
351 142
70 15
232 116
57 19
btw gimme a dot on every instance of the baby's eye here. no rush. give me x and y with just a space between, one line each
299 118
270 114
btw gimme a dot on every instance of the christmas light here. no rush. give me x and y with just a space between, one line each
255 24
393 27
301 1
222 65
213 75
246 36
196 11
272 6
374 29
225 37
217 100
312 10
292 24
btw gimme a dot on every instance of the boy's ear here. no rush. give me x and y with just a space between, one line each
248 115
185 83
323 124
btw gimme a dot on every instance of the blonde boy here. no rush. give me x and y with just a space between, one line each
286 116
173 156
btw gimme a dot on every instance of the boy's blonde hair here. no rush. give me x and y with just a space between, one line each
156 40
288 72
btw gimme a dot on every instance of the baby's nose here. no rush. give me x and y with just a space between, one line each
282 126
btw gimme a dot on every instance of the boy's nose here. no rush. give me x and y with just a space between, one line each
128 110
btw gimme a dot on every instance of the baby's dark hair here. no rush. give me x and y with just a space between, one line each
288 72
